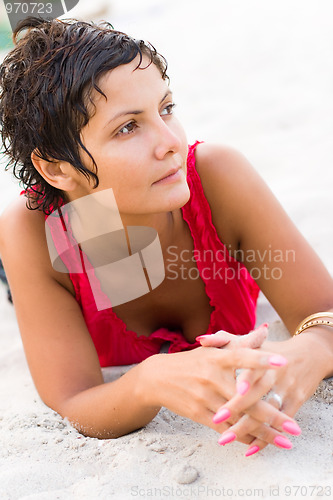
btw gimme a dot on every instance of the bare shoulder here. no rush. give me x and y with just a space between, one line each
218 156
23 242
230 183
223 167
18 228
23 235
212 153
17 219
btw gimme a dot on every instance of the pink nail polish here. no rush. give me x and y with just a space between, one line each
200 337
243 387
277 360
227 437
283 442
292 428
221 416
252 450
264 325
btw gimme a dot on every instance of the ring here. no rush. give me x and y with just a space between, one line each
274 395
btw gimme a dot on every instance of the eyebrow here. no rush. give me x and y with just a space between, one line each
134 112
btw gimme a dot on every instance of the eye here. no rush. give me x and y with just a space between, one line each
168 110
127 129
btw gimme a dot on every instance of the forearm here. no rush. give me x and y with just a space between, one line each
112 409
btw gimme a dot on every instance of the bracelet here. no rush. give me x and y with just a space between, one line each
314 320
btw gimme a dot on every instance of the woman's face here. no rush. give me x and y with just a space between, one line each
136 140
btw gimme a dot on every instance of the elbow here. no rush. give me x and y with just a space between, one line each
92 422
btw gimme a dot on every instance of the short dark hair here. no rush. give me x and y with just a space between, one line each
45 87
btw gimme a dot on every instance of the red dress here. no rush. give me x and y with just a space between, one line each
231 290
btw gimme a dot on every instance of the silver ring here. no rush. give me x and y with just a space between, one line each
274 395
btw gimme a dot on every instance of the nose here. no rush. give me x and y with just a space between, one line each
166 139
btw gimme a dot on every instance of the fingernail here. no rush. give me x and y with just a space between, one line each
252 450
202 337
227 437
264 325
283 442
277 360
221 416
292 428
242 387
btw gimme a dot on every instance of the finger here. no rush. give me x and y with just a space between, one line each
246 379
263 432
260 413
240 430
249 358
290 406
204 416
255 446
218 339
225 426
226 423
240 403
255 338
265 413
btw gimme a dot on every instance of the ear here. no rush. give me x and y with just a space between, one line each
58 174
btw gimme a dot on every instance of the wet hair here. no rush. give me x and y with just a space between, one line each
46 83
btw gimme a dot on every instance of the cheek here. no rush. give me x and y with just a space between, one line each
123 179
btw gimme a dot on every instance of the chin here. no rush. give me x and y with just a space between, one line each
179 196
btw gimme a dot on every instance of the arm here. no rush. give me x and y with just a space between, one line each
61 356
64 364
256 230
250 221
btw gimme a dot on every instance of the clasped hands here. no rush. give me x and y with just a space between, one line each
247 417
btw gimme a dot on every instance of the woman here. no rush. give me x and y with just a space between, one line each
86 111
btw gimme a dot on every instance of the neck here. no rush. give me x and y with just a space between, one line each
92 212
166 224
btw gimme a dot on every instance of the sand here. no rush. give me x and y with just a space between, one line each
256 75
43 457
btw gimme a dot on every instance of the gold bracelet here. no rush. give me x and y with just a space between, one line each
314 320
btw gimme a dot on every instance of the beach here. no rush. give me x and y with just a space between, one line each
257 76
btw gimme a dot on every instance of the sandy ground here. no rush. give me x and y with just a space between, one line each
256 75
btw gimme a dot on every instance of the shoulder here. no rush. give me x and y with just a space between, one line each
23 245
17 222
216 162
230 184
20 227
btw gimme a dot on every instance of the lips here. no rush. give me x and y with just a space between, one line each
170 172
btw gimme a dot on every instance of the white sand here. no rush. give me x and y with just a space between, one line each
257 75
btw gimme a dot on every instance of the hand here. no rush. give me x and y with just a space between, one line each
297 381
294 383
196 383
261 413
